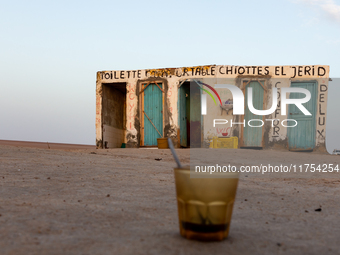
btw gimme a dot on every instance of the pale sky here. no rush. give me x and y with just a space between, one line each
51 51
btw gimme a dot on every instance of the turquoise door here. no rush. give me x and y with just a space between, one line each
153 114
252 136
302 136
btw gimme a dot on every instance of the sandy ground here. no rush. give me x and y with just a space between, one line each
122 201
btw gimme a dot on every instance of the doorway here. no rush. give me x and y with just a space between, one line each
114 114
190 118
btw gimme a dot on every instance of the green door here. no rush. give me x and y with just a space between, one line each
252 136
153 114
302 136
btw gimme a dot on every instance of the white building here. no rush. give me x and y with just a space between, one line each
136 107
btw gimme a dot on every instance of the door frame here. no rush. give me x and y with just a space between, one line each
143 86
244 83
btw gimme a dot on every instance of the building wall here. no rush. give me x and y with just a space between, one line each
275 76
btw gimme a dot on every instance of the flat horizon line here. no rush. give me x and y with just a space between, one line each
46 145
